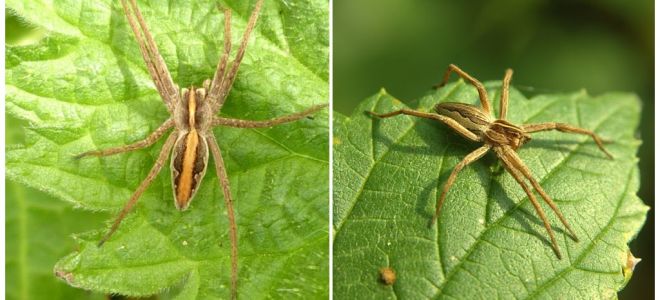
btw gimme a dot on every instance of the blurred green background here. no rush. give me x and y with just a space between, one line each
553 46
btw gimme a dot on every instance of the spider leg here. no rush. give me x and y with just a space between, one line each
483 95
162 157
522 168
219 76
152 138
472 157
155 64
529 128
512 169
266 123
448 121
224 182
504 100
228 80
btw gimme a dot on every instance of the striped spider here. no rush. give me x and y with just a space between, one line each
194 113
504 138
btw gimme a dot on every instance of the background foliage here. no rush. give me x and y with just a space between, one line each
552 46
77 82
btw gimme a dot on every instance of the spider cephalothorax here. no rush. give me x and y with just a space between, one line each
502 132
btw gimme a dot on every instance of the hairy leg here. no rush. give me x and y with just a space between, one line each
155 63
483 95
219 76
522 168
511 168
504 100
224 183
473 156
162 157
529 128
228 81
266 123
448 121
152 138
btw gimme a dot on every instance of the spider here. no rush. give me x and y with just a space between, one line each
193 116
500 136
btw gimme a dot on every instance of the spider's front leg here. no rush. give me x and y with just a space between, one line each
223 81
529 128
154 61
150 140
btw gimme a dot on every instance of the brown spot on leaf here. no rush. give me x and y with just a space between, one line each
387 276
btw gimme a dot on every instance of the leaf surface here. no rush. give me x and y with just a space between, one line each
85 86
488 241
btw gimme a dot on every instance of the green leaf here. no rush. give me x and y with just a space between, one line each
85 86
488 239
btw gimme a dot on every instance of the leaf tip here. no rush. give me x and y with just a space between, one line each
629 266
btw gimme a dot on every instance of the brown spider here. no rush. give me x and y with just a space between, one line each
499 135
193 116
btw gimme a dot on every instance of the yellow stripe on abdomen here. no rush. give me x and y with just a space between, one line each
185 184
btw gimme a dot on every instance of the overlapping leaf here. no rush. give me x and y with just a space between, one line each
488 241
85 87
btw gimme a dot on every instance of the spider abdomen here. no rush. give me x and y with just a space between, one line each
190 157
468 116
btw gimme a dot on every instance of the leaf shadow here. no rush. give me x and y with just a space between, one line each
522 216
